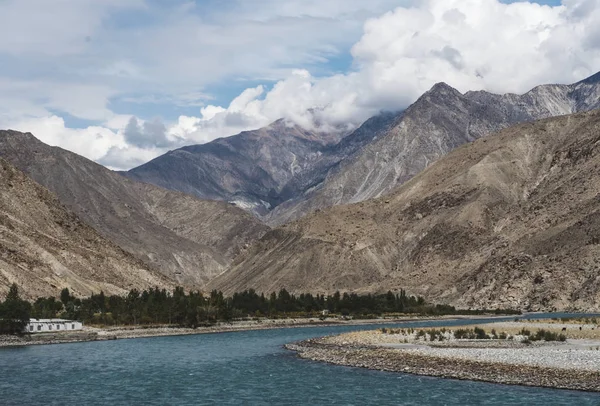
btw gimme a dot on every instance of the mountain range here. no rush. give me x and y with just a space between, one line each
282 172
474 199
187 239
255 170
510 220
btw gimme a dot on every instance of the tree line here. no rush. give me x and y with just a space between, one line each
194 309
14 312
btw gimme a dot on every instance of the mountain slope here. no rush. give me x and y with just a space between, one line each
44 247
257 170
510 220
187 239
438 122
250 169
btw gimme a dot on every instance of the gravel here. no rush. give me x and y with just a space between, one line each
565 357
567 367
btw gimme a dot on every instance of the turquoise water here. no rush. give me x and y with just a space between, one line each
232 369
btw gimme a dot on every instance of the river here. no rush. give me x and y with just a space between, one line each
233 369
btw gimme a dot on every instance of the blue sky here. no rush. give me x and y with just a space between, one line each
81 69
223 91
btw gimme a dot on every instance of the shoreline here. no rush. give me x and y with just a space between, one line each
572 365
383 359
130 332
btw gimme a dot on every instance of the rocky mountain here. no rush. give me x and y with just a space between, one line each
187 239
256 170
44 247
510 220
282 172
438 122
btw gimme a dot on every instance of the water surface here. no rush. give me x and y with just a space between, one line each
232 369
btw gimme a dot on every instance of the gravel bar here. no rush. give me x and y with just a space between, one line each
425 362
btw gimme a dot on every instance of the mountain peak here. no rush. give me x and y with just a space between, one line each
442 88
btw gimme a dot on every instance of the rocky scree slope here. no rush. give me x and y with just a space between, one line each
187 239
510 220
44 247
438 122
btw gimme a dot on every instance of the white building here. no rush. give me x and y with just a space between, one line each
46 325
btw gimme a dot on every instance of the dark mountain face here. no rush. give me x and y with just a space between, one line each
256 170
510 220
187 239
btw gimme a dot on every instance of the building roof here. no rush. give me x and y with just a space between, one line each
51 321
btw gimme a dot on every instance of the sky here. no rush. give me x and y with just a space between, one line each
124 81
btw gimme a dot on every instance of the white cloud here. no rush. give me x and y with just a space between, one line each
470 44
92 142
54 28
110 148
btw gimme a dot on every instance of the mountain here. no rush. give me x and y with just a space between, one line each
44 247
438 122
187 239
282 172
510 220
256 170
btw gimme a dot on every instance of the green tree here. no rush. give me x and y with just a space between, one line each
14 312
65 296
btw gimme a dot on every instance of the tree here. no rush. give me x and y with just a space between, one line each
65 296
14 312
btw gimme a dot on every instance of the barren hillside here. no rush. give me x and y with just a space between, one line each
510 220
187 239
44 247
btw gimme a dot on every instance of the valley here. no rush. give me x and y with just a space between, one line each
432 199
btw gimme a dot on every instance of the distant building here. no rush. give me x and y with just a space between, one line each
46 325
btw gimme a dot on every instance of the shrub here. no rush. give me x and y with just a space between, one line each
461 334
548 336
480 334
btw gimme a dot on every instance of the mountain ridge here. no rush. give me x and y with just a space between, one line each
187 239
339 171
507 221
44 247
256 170
439 121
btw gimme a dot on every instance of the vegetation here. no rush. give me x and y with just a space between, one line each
193 309
14 312
544 335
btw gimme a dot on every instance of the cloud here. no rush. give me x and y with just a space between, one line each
168 57
112 148
149 134
470 44
55 28
92 142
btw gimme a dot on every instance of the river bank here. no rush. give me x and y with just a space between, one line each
127 332
570 364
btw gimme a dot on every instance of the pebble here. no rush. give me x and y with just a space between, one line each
481 366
